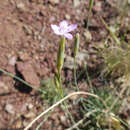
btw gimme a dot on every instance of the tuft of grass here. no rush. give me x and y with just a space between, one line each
101 118
117 60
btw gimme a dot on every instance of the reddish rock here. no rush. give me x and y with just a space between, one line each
28 73
11 69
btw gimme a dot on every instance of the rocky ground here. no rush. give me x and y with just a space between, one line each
28 48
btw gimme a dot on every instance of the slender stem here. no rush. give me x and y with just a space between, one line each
60 85
88 79
60 62
75 76
82 120
111 33
116 100
90 11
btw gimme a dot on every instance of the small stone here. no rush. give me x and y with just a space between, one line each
29 115
23 56
82 57
67 17
12 61
28 73
128 121
59 128
98 6
128 99
3 88
27 30
10 109
63 120
94 23
55 1
52 19
20 5
18 124
129 2
11 69
26 122
78 11
76 3
30 106
69 62
112 29
103 33
87 35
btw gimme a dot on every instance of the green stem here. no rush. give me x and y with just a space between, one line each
90 10
75 76
88 79
111 33
60 85
60 62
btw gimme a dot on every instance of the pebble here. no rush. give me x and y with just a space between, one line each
55 1
112 29
81 59
29 115
20 6
76 3
67 16
63 120
10 109
87 35
128 121
12 61
69 62
78 11
3 88
93 23
52 19
128 99
18 124
28 73
24 56
27 30
30 106
129 2
98 6
103 33
26 122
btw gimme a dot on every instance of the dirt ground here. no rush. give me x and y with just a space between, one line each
28 48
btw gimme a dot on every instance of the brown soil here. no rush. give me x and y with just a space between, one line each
29 48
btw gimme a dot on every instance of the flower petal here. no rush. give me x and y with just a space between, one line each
56 29
63 24
71 27
68 35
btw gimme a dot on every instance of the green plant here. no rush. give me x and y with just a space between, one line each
100 117
117 60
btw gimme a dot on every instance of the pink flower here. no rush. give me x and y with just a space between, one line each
64 29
